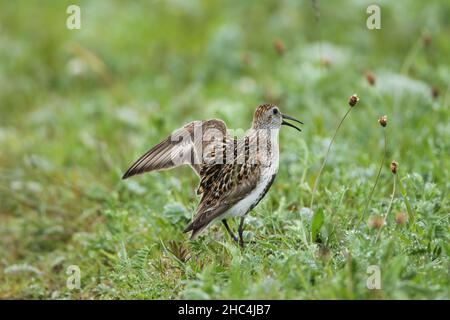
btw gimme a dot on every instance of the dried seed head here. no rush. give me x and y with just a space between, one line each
370 77
426 39
383 121
401 218
394 166
376 222
353 100
179 251
435 92
279 46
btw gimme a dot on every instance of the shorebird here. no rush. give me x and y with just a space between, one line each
235 174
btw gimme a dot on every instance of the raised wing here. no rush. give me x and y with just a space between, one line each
183 146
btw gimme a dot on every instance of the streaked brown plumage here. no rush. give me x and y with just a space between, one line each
234 173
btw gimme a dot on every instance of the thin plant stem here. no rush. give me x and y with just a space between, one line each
315 6
409 208
316 183
306 160
389 207
410 56
377 178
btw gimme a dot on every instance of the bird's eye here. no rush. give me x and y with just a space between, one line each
275 111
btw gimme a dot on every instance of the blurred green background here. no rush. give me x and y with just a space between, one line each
77 107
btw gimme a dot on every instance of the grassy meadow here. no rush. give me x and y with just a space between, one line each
78 107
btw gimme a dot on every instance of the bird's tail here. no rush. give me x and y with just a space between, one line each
196 230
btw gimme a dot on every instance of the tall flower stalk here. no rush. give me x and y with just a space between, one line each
394 166
352 102
383 122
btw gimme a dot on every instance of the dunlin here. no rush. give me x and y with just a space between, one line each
235 174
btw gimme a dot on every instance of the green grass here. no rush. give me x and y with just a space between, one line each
78 107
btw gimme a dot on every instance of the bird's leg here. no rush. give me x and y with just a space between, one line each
225 223
241 232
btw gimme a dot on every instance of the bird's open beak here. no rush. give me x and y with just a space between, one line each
290 124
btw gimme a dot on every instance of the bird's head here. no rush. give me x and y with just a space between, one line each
268 116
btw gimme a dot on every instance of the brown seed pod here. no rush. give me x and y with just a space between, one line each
376 222
401 218
353 100
383 121
279 46
370 77
426 40
435 92
394 166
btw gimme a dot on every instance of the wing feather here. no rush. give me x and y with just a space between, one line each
183 146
